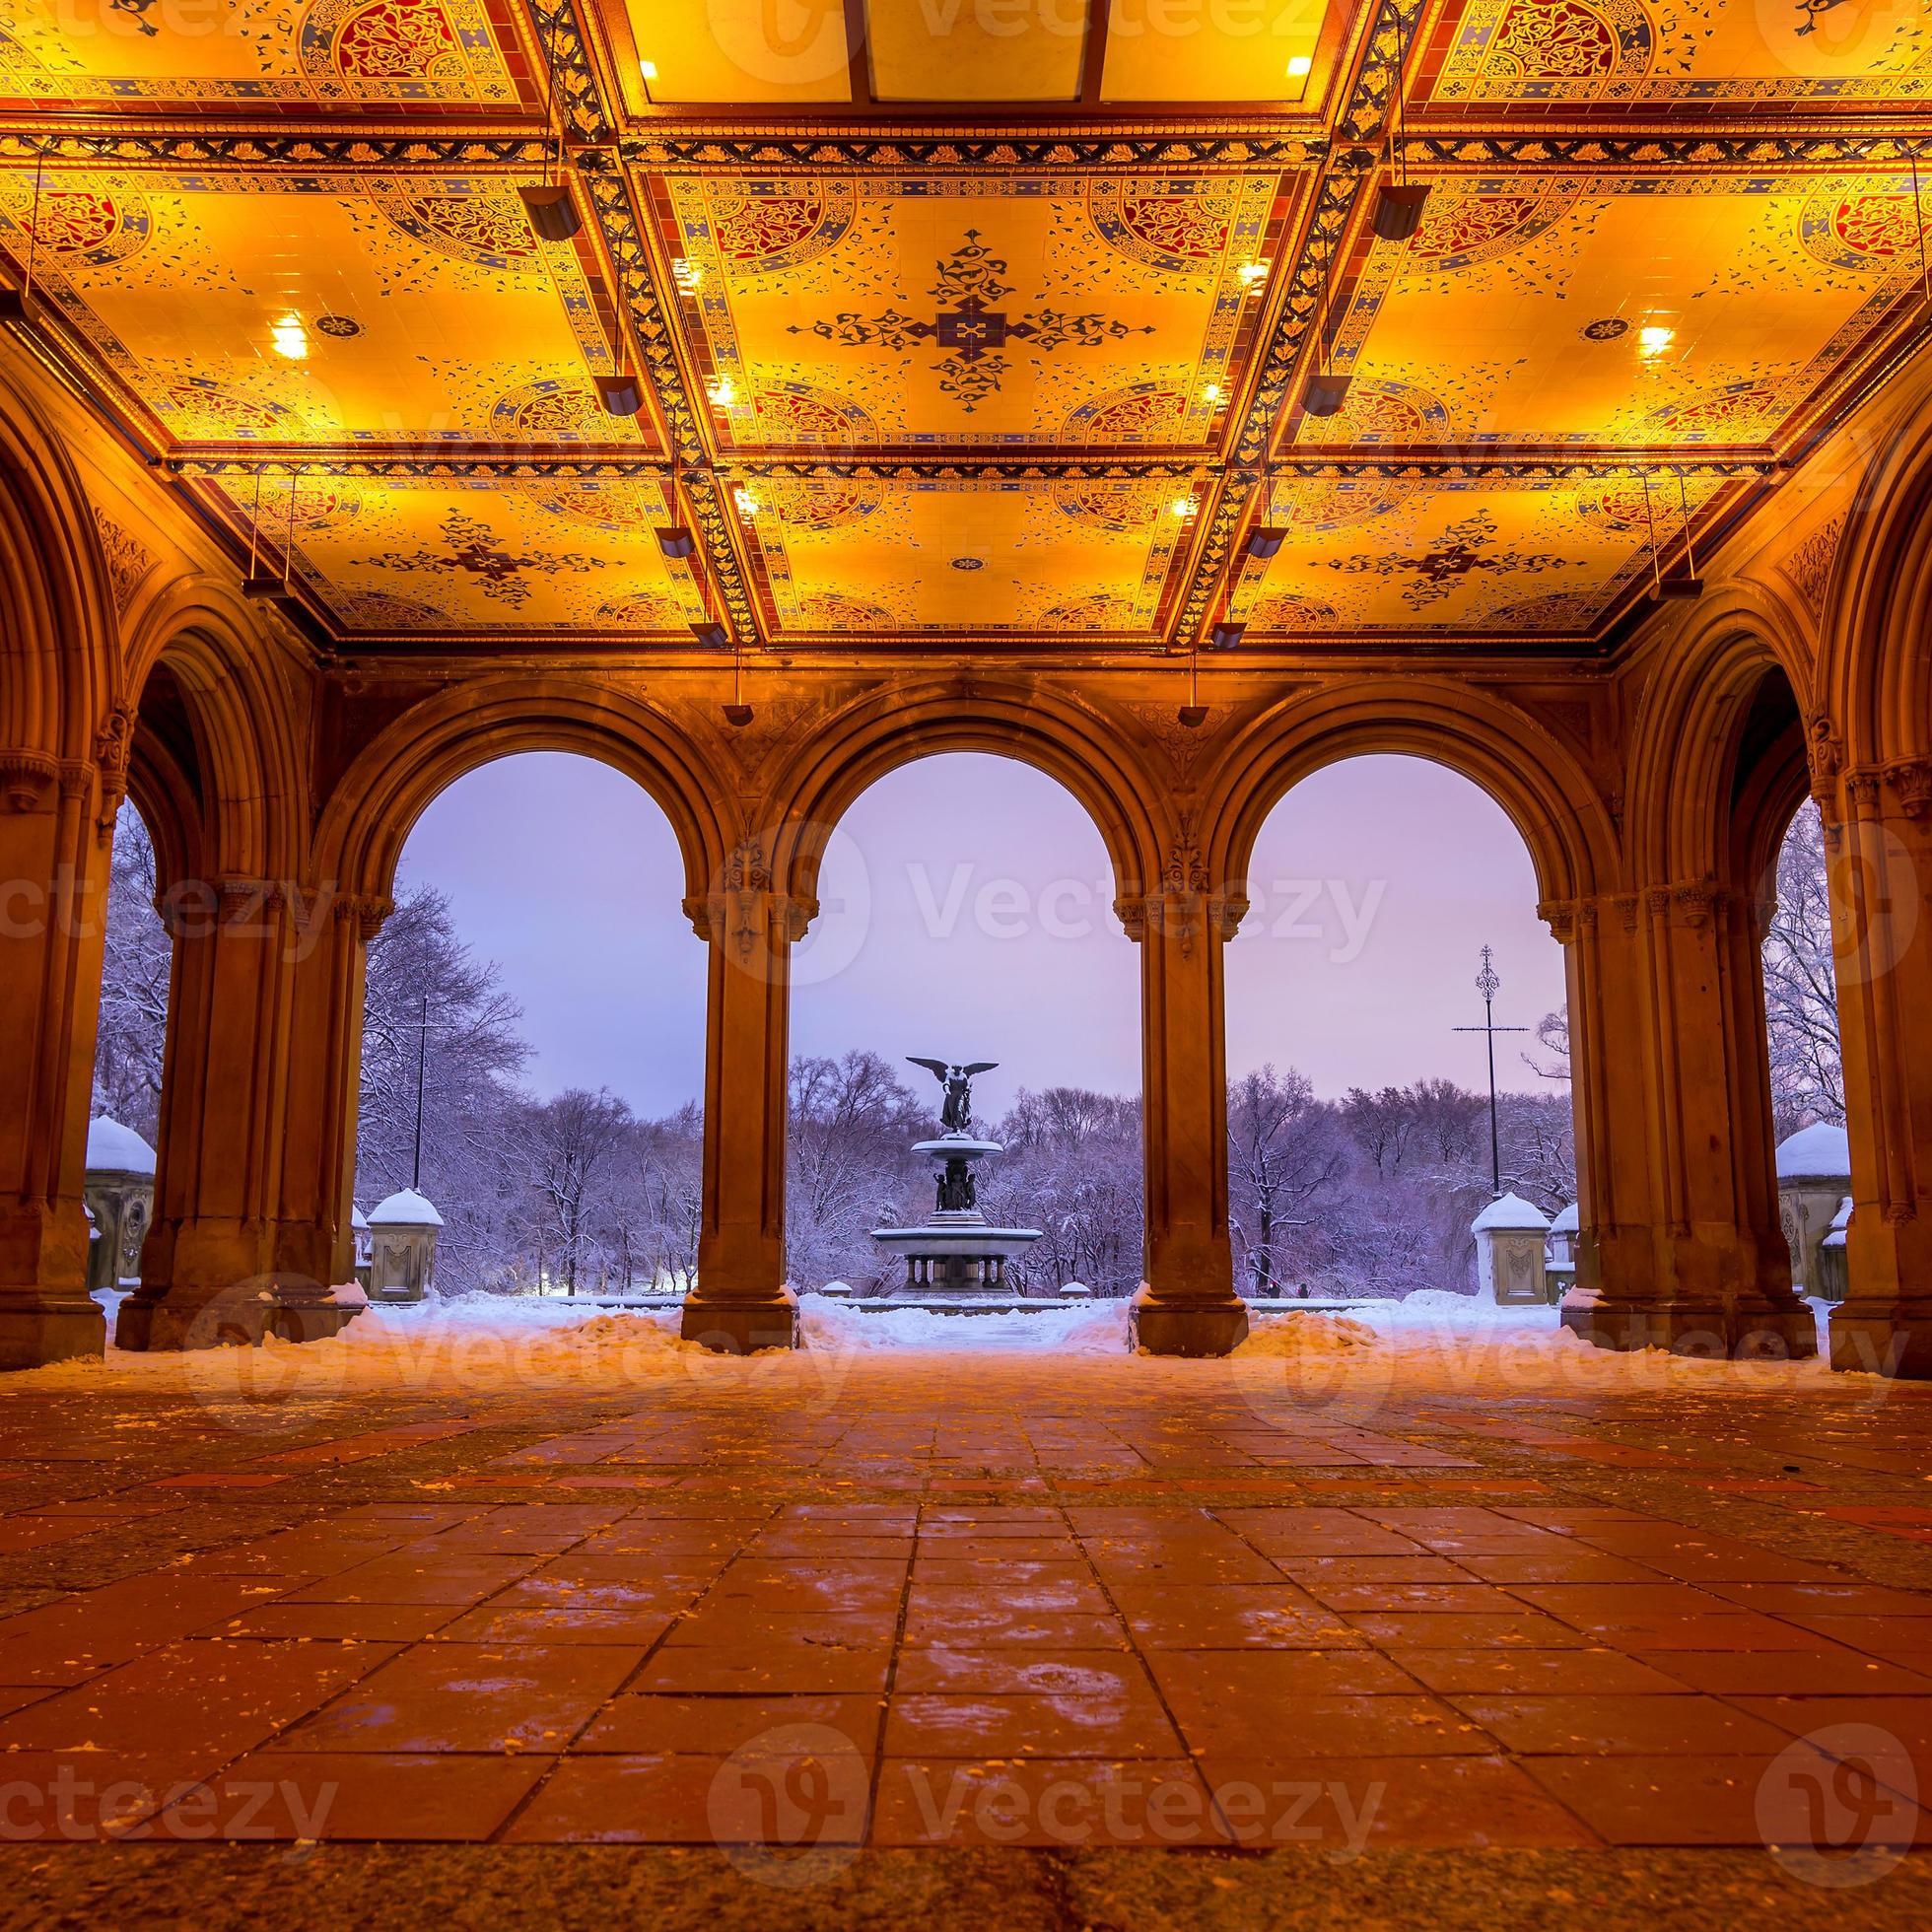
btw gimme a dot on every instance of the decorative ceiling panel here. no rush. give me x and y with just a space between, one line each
414 556
320 309
943 307
941 558
1261 51
1661 53
265 52
1492 556
1620 310
968 310
734 52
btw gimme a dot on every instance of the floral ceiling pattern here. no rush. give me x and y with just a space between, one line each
947 337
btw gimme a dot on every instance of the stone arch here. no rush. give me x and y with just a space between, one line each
57 629
1071 744
1875 676
1547 794
369 814
1704 731
198 669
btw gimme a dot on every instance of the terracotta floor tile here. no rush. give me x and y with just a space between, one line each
771 1669
1237 1689
1274 1617
652 1724
1701 1801
1064 1803
1646 1725
415 1574
1020 1673
1125 1723
1343 1726
634 1629
201 1694
476 1698
987 1624
1606 1673
1432 1629
693 1799
429 1797
1824 1672
1343 1806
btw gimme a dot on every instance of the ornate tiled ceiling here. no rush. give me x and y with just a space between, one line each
975 324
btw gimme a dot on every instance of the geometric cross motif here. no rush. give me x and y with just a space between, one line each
474 548
970 327
1458 552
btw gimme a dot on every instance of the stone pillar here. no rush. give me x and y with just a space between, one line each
1187 1306
243 1242
740 1301
1510 1233
53 900
1880 838
1679 1245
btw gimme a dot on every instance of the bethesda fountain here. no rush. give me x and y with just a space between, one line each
956 1251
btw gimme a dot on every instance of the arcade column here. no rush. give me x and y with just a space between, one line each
740 1302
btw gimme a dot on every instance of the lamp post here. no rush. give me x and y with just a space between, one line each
1488 986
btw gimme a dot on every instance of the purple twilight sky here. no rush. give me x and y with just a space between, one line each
966 913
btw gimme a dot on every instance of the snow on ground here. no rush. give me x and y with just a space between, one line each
1429 1343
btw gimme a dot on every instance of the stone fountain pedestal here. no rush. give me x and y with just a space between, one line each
955 1252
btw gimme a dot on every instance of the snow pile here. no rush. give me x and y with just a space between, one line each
1306 1334
1097 1329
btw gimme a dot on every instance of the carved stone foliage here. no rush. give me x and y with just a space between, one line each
129 560
1808 566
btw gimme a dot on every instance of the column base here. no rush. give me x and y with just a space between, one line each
50 1329
1707 1330
1881 1341
1196 1329
239 1316
741 1327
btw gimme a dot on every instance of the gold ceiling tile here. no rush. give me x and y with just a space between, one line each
1621 310
969 309
976 49
939 558
323 309
1585 54
735 53
1496 556
1211 51
429 555
331 52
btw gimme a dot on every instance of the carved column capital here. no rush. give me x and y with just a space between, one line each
367 911
1912 783
26 778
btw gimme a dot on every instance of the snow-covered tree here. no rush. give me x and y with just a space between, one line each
1801 988
127 1055
1285 1157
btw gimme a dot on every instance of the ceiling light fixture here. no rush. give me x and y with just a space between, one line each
722 394
1184 508
1194 713
749 504
1689 586
1253 273
620 394
548 205
711 634
1654 338
1226 635
289 337
676 542
1298 66
1398 200
1327 389
1266 542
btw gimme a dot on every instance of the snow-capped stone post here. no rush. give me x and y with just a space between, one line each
402 1233
119 1191
1814 1175
1510 1235
1834 1276
1559 1251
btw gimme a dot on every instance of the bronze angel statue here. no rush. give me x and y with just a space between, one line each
956 1115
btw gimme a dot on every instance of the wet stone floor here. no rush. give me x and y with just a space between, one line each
1131 1633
